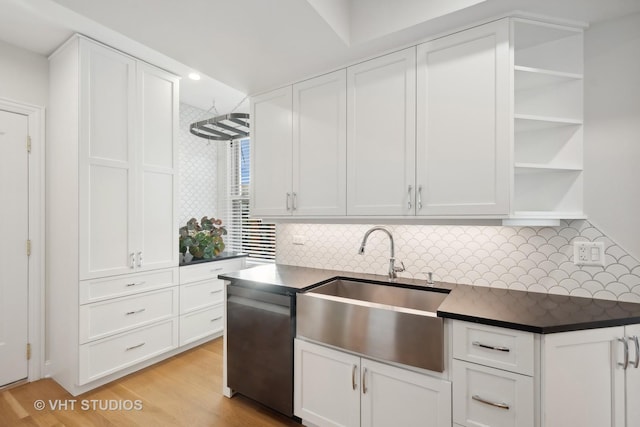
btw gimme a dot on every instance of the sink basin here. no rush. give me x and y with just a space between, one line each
378 320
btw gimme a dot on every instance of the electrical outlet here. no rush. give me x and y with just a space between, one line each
588 253
298 239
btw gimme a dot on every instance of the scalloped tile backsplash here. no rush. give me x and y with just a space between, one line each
537 259
198 168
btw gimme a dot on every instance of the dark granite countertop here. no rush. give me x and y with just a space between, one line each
222 256
526 311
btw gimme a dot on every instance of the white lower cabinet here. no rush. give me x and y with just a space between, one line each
333 388
110 355
202 299
486 396
592 378
493 375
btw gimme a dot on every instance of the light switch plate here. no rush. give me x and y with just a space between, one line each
588 253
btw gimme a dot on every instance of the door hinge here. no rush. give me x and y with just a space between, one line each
29 351
28 144
28 247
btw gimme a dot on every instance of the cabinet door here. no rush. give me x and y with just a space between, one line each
633 378
381 135
156 201
583 383
398 397
326 386
319 145
271 153
463 123
106 162
484 396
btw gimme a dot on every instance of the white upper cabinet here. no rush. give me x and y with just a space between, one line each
271 152
157 154
298 164
381 114
320 145
107 161
127 185
463 123
483 123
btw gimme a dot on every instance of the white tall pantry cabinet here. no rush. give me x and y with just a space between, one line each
111 212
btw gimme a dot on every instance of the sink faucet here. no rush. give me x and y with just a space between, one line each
393 270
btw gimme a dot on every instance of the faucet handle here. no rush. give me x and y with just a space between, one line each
399 269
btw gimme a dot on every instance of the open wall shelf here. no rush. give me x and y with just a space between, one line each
548 119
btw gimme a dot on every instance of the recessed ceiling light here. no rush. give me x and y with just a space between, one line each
194 76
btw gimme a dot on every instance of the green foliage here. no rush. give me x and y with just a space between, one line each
204 239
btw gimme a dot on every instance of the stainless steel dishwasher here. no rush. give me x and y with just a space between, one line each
260 332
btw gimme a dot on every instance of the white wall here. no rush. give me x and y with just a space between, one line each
23 75
612 130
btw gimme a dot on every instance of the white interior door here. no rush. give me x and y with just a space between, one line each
14 263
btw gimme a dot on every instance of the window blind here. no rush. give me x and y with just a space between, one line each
245 233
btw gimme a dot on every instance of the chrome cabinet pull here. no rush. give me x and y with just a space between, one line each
419 197
294 202
132 260
135 284
215 269
139 259
624 364
135 346
636 360
353 377
364 381
216 319
410 197
216 291
288 197
129 313
490 403
491 347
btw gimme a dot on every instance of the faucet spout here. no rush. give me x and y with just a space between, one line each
393 270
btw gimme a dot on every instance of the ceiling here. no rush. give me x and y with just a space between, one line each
249 46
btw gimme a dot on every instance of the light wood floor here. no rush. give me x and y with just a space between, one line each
185 390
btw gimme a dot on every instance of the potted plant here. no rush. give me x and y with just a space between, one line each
204 239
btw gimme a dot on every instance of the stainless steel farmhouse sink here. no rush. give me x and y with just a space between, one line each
379 320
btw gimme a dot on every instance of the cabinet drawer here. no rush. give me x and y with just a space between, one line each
484 396
128 284
207 270
194 296
105 318
200 324
492 346
104 357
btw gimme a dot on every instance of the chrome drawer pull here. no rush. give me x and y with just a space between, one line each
364 381
216 319
135 284
129 313
216 292
215 269
624 364
353 377
135 346
491 347
490 403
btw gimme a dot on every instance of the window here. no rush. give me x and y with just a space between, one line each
245 234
